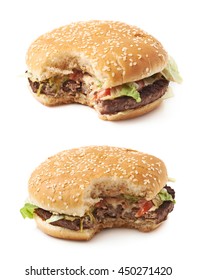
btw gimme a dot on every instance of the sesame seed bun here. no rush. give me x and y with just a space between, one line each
72 181
113 52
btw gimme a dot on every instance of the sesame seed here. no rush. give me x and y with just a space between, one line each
106 68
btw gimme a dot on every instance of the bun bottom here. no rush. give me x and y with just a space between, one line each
63 233
87 234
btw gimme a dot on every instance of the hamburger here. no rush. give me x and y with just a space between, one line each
119 70
79 192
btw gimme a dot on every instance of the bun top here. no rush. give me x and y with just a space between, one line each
71 181
113 52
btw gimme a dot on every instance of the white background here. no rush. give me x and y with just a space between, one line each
31 132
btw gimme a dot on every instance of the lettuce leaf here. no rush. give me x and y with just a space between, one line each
130 90
28 210
165 196
162 196
171 72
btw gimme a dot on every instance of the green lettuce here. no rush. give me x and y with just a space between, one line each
130 90
28 210
165 196
171 72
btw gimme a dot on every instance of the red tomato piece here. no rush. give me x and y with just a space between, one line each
144 208
103 93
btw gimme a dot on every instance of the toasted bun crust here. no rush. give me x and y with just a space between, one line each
129 114
87 234
71 181
113 52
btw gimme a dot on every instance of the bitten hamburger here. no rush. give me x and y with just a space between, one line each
118 69
77 193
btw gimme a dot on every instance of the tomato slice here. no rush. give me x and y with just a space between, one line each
144 208
103 93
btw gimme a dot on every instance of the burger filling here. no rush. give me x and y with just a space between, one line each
109 209
108 100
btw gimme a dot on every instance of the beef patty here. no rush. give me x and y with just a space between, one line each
107 211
